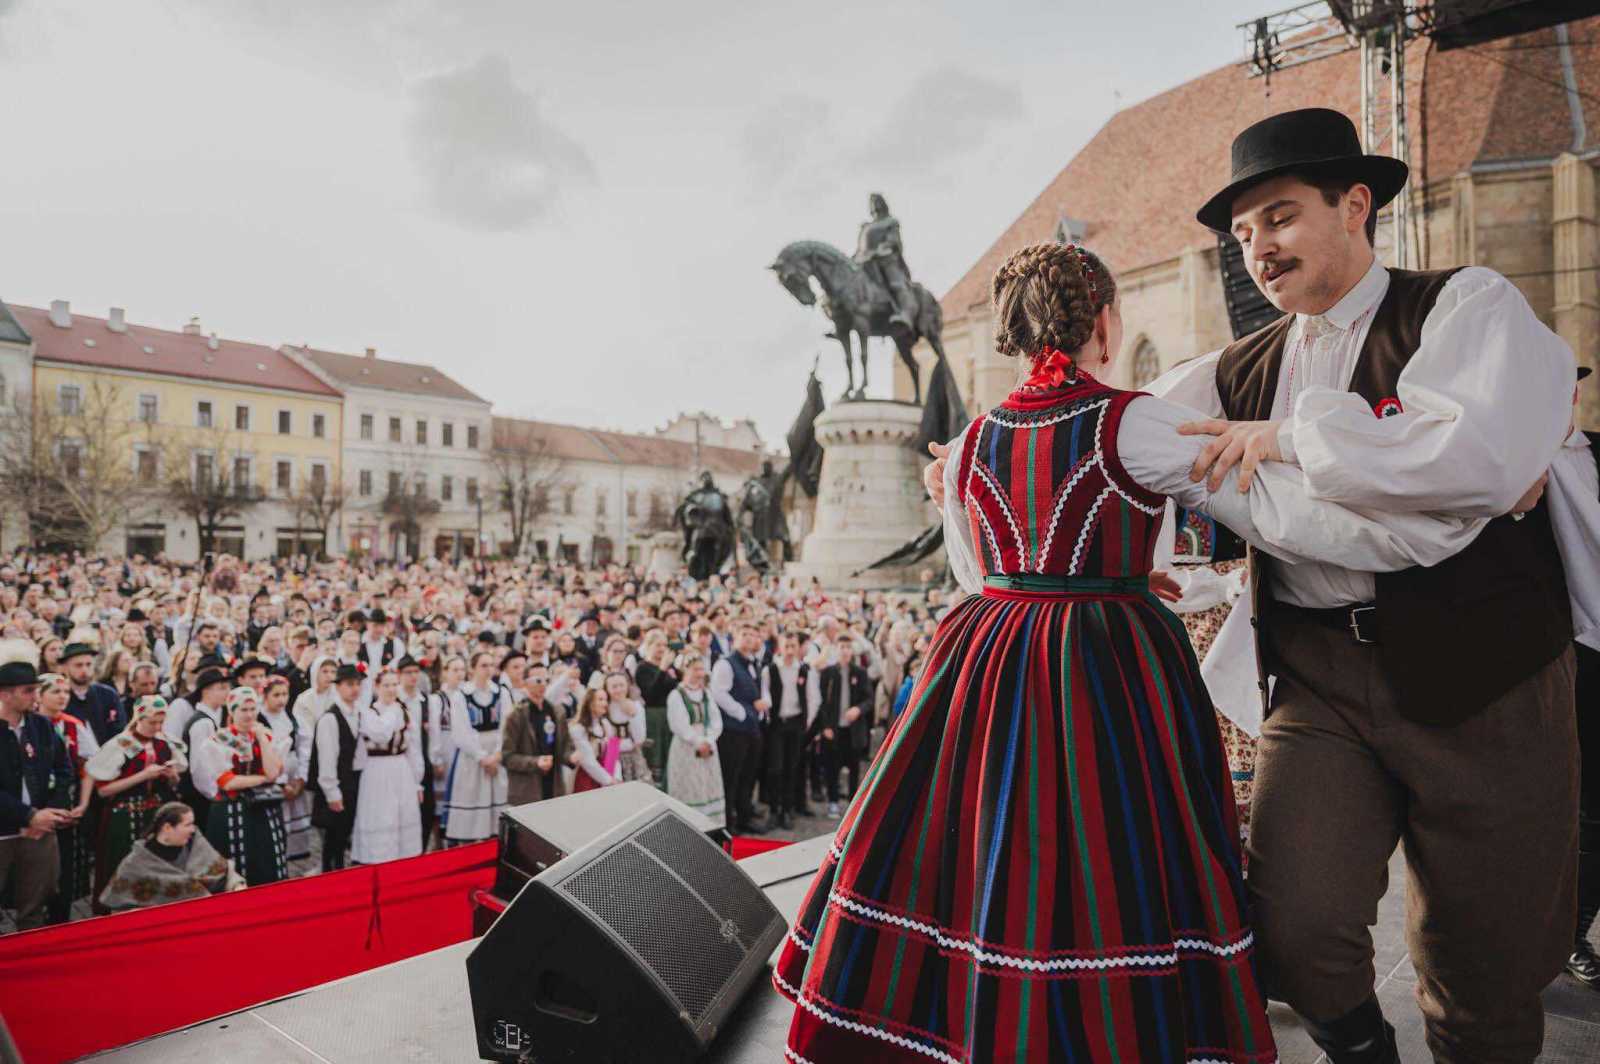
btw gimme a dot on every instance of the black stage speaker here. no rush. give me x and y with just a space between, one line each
633 950
537 835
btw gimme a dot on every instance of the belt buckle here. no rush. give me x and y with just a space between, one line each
1355 624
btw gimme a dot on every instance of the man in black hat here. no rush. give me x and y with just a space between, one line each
1433 705
337 758
536 641
210 705
96 704
35 782
380 648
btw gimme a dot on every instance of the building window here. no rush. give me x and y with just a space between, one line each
71 459
394 483
71 399
285 423
241 476
241 418
600 503
204 466
319 426
657 510
568 499
1146 364
419 486
285 471
472 489
364 482
366 426
202 414
472 437
447 432
394 430
319 477
541 499
446 490
422 431
633 503
145 465
148 409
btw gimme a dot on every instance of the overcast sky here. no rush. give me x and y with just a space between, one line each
567 207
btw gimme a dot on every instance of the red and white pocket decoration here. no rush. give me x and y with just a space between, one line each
1388 407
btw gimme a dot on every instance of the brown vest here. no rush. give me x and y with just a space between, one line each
1457 635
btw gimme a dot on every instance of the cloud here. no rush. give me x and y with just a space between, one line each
491 160
783 140
943 114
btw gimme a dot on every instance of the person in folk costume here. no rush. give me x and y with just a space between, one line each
36 777
627 714
736 689
96 704
1046 841
597 742
337 758
1397 705
135 774
379 648
350 653
444 704
655 678
389 817
237 768
282 723
535 743
694 775
209 703
76 853
170 862
787 684
477 785
414 699
310 703
844 717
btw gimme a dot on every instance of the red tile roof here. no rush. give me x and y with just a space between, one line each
575 443
142 349
361 371
1138 182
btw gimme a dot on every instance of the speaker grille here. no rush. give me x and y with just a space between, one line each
702 866
660 920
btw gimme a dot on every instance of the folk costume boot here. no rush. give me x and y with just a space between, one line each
1361 1036
1584 965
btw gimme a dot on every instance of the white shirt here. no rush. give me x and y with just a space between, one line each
1485 401
678 719
328 747
722 687
788 705
1574 500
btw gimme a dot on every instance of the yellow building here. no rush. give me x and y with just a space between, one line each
236 414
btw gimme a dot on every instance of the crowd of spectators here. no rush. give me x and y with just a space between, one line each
170 730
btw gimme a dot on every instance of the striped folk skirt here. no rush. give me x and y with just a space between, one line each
1042 863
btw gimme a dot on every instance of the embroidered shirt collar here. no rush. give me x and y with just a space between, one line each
1372 287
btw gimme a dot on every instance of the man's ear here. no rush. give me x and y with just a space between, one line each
1357 205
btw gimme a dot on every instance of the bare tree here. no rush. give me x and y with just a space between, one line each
526 470
75 462
407 502
211 481
315 502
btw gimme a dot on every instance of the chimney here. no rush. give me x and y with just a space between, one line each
213 343
60 314
117 323
193 328
372 352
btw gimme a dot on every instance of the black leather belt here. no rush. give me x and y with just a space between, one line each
1360 621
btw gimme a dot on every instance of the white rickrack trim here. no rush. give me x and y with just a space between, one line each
805 947
988 531
997 417
834 851
861 1028
789 1054
1005 509
1055 514
1032 964
1151 510
1083 533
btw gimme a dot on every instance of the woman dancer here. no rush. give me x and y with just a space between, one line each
1042 863
389 816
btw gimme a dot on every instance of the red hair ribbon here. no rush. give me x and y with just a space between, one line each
1051 369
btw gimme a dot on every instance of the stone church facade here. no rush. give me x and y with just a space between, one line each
1504 143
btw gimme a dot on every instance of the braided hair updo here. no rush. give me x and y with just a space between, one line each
1048 295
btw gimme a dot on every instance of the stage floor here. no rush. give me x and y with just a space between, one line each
419 1010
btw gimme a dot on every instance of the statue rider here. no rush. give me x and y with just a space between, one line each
880 254
704 511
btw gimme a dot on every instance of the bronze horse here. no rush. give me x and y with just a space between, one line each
857 304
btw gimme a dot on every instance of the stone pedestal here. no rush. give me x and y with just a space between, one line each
870 499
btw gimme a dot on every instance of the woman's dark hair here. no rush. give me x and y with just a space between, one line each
1043 298
168 816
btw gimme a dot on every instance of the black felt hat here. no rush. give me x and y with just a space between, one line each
1312 140
18 674
349 672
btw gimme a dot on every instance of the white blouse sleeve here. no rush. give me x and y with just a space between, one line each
678 717
1192 383
958 546
1278 514
1573 496
1486 401
588 759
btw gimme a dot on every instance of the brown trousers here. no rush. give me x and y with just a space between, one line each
1487 811
33 866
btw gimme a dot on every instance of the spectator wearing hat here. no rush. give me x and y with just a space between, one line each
536 641
588 642
96 704
337 758
416 703
134 774
209 702
35 789
379 648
